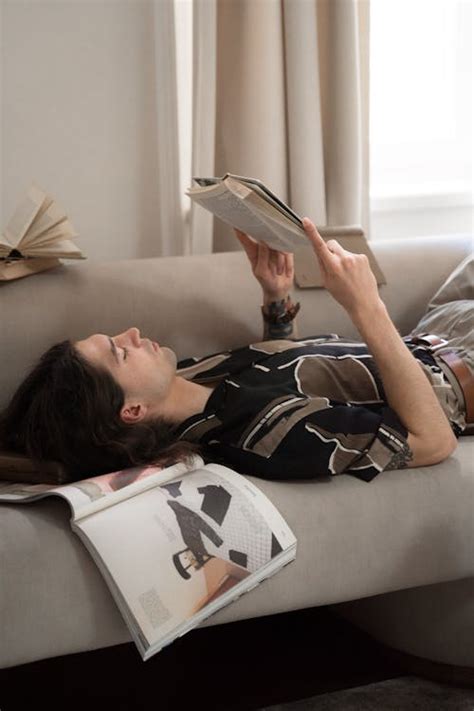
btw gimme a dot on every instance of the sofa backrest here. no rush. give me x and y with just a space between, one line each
196 304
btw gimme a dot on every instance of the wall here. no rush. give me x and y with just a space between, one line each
78 117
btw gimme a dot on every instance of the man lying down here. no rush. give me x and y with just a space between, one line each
282 408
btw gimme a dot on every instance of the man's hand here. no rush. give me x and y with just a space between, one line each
274 270
347 276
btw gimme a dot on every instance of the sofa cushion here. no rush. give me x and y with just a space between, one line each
406 528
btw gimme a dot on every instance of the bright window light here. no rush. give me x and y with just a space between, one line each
420 97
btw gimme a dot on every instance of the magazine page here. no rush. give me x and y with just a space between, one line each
178 552
95 493
21 219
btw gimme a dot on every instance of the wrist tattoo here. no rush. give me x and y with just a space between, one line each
278 316
281 330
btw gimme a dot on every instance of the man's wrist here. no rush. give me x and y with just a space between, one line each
280 312
365 315
274 298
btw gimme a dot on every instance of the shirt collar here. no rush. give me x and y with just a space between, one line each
213 405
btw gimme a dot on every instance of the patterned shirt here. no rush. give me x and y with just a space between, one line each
300 408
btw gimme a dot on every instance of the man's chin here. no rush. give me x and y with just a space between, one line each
170 355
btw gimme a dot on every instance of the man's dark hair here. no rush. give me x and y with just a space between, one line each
68 411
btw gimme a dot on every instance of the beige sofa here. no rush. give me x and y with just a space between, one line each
396 555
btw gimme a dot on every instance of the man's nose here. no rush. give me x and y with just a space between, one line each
134 335
131 335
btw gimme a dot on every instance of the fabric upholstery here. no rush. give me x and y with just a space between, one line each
406 529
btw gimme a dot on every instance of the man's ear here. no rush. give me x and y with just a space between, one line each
133 413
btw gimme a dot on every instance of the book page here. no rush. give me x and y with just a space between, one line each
10 270
91 495
51 217
219 200
180 550
58 248
61 231
284 235
270 197
240 206
23 216
258 187
5 247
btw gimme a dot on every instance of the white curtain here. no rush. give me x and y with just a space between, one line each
204 115
280 93
170 228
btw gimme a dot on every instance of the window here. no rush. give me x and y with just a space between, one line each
421 115
421 147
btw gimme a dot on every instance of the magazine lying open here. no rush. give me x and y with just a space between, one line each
174 545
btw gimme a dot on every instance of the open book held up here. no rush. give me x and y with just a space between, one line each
248 205
37 235
174 545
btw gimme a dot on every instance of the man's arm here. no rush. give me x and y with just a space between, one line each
274 270
350 280
408 390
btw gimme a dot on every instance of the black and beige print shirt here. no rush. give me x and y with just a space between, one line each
298 408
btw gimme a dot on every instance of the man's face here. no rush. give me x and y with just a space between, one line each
143 369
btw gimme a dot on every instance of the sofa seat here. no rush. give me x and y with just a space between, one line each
407 528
